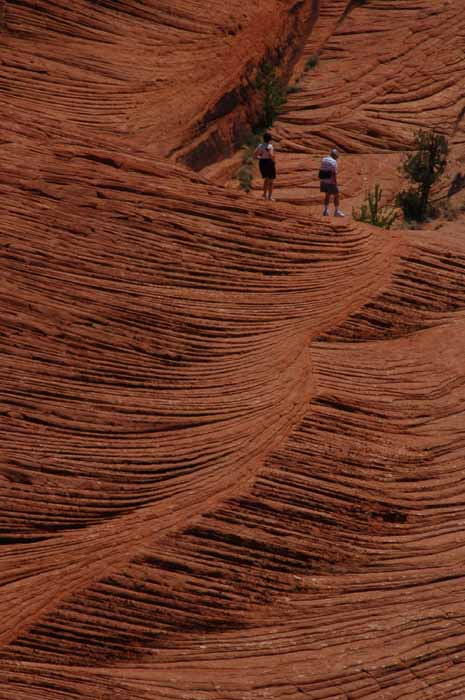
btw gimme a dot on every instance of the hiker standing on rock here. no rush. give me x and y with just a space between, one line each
328 182
265 154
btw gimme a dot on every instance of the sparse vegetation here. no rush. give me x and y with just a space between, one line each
372 212
245 178
312 61
273 92
273 98
245 172
293 89
423 168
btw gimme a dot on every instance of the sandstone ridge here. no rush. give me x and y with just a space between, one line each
232 446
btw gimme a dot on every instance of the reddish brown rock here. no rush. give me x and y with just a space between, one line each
174 78
231 433
386 71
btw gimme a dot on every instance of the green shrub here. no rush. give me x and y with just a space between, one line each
273 93
423 168
312 61
292 89
252 140
245 172
245 178
371 211
410 203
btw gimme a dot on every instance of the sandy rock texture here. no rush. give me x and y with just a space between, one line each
231 432
172 77
385 70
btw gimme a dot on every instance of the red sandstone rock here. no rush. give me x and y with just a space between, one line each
231 433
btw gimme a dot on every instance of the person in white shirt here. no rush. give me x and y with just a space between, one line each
328 182
266 161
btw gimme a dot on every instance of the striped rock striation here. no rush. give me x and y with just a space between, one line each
175 78
231 432
386 70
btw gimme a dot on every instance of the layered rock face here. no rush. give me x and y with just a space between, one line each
175 78
232 446
385 70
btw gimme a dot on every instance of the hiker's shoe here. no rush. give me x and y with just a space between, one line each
326 212
339 213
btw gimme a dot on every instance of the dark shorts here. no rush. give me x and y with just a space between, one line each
328 187
267 168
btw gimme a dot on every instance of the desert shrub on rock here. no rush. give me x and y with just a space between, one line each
423 167
273 93
312 61
245 172
372 212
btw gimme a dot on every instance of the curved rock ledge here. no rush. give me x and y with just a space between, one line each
231 432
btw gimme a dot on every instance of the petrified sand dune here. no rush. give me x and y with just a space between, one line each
163 75
386 70
232 443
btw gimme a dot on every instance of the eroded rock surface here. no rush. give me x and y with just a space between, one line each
232 443
387 70
176 78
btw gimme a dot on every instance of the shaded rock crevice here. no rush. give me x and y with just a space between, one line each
224 126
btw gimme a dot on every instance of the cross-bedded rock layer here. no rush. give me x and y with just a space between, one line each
176 78
232 442
386 70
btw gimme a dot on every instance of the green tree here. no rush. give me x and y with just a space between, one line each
371 211
273 93
423 167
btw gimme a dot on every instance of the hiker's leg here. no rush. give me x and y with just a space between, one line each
337 211
269 185
270 189
265 187
327 201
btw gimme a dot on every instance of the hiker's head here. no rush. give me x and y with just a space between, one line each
267 137
334 153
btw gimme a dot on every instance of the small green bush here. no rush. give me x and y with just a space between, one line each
292 89
312 61
252 140
273 93
371 211
245 172
410 203
423 168
245 178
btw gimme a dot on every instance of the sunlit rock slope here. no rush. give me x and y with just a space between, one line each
386 70
231 433
173 76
